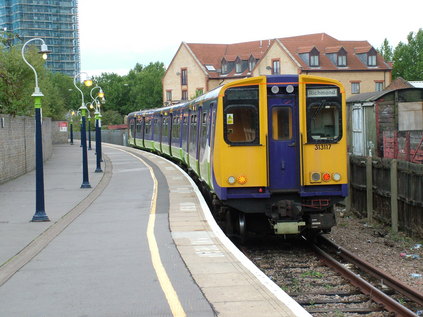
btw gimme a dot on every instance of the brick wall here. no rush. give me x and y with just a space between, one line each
17 145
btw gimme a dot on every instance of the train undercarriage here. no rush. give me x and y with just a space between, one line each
246 218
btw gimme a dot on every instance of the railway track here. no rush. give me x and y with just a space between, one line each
327 280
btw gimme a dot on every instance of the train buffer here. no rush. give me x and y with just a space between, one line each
139 242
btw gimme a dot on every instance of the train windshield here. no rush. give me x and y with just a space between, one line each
241 115
324 114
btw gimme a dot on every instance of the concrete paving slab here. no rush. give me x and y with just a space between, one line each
100 264
96 261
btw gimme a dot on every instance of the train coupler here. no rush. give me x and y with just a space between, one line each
285 209
291 227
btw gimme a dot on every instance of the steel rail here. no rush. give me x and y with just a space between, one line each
386 279
374 293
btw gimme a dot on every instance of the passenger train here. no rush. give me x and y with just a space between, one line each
269 152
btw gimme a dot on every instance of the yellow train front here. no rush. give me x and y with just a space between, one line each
270 152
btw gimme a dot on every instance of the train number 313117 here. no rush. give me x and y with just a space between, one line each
322 146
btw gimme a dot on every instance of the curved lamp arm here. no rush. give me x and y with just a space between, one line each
44 50
91 92
100 93
82 94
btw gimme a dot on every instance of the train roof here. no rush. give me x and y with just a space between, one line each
212 94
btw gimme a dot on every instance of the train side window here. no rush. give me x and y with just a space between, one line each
148 127
132 127
138 132
176 128
156 130
241 115
165 128
282 123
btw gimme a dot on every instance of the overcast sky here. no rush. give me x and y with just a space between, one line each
115 35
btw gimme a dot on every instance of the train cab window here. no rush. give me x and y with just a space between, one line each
241 115
282 123
324 117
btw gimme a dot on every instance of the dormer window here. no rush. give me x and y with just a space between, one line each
310 55
314 58
371 59
367 55
224 66
238 65
251 63
342 58
337 55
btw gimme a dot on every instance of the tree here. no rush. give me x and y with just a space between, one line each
17 80
408 58
17 83
146 88
386 51
7 38
111 117
60 96
140 89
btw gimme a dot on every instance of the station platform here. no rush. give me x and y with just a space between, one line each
140 242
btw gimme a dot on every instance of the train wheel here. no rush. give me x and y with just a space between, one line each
242 227
229 225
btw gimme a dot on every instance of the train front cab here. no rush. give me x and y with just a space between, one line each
307 152
280 150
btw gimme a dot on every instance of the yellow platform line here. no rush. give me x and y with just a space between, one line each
165 283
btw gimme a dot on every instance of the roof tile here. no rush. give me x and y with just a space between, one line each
212 54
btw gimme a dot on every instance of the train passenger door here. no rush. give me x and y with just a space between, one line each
141 136
284 173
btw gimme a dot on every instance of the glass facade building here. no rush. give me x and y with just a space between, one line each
56 22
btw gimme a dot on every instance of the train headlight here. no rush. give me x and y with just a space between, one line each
274 89
289 89
231 180
242 180
315 177
336 177
326 177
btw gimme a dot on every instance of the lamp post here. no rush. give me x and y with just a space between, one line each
83 110
89 124
40 213
97 114
72 113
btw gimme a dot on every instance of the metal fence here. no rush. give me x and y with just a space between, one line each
119 137
388 190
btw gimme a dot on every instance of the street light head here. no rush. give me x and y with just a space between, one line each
101 93
88 82
44 51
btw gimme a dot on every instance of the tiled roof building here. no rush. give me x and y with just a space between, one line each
197 68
